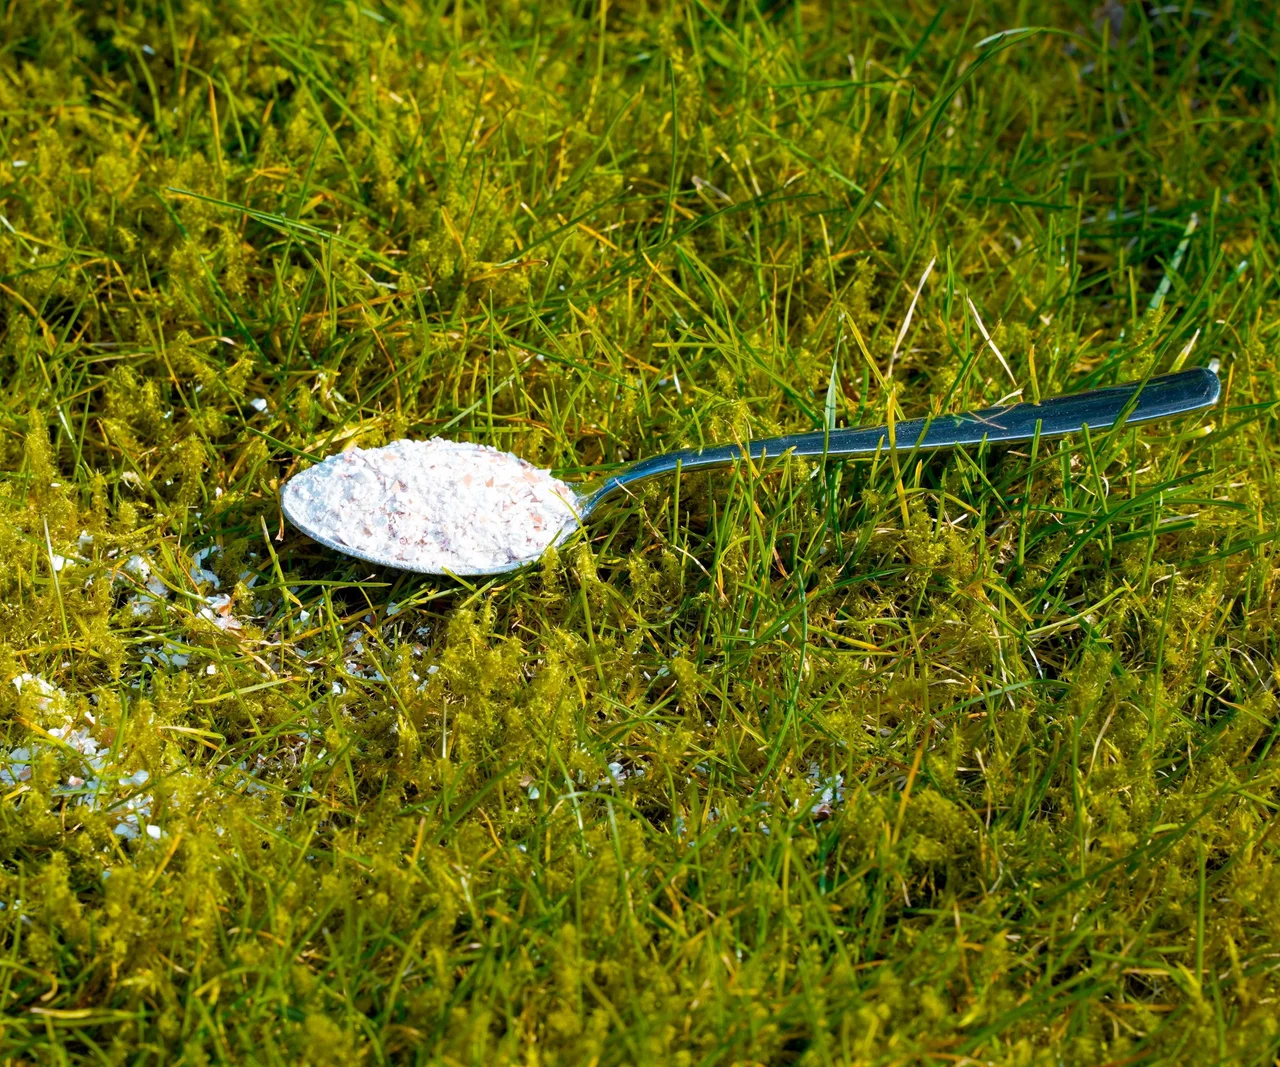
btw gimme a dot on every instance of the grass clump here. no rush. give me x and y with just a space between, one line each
964 760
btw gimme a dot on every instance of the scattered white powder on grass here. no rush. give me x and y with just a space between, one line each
434 505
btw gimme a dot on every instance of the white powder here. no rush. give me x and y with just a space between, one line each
433 505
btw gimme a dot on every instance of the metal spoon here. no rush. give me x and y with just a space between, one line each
1098 409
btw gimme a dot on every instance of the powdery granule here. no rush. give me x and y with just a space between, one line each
433 505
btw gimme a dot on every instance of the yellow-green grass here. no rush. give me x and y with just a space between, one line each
964 759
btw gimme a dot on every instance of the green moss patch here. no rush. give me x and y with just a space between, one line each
921 760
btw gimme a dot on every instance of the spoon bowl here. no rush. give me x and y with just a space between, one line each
290 505
1098 409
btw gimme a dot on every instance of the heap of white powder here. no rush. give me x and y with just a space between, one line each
433 505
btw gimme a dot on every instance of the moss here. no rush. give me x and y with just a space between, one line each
869 762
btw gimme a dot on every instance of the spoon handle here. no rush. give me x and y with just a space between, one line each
1099 409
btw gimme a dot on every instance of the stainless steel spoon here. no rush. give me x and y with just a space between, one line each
1098 409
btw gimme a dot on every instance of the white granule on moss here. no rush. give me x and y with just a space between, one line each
434 505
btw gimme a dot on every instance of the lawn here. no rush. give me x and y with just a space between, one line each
933 760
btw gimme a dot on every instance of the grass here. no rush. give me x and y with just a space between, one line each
966 759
